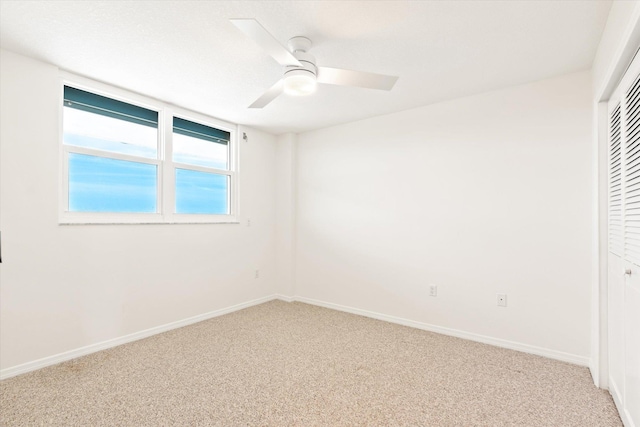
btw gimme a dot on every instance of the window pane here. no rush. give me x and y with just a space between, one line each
98 184
85 129
201 192
201 145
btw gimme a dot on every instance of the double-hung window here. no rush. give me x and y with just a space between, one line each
201 162
126 159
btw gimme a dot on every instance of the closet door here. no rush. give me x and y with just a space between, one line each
624 244
631 135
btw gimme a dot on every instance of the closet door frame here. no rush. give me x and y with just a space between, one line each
606 79
623 284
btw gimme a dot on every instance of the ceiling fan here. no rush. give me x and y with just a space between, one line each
301 74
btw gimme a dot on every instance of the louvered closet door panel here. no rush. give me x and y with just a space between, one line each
615 182
623 278
631 133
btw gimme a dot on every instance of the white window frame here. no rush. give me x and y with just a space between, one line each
165 198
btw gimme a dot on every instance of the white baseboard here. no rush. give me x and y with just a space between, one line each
284 298
82 351
512 345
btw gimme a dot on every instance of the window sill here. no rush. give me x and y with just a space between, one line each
69 218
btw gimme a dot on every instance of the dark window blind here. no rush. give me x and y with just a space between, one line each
196 130
97 104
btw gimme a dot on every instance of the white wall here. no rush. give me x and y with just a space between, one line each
65 287
482 195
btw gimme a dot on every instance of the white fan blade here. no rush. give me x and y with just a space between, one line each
337 76
265 40
269 95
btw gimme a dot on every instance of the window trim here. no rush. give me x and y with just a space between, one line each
165 198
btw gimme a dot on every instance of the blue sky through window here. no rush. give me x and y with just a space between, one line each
99 184
201 193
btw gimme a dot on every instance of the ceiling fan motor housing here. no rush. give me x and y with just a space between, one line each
299 47
300 79
308 67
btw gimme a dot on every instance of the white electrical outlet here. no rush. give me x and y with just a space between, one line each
433 290
502 300
248 222
257 274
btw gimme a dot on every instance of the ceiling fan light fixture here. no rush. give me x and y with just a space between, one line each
300 82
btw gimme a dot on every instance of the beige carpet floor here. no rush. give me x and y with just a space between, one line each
293 364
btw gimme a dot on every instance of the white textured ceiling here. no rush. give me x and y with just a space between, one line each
189 54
